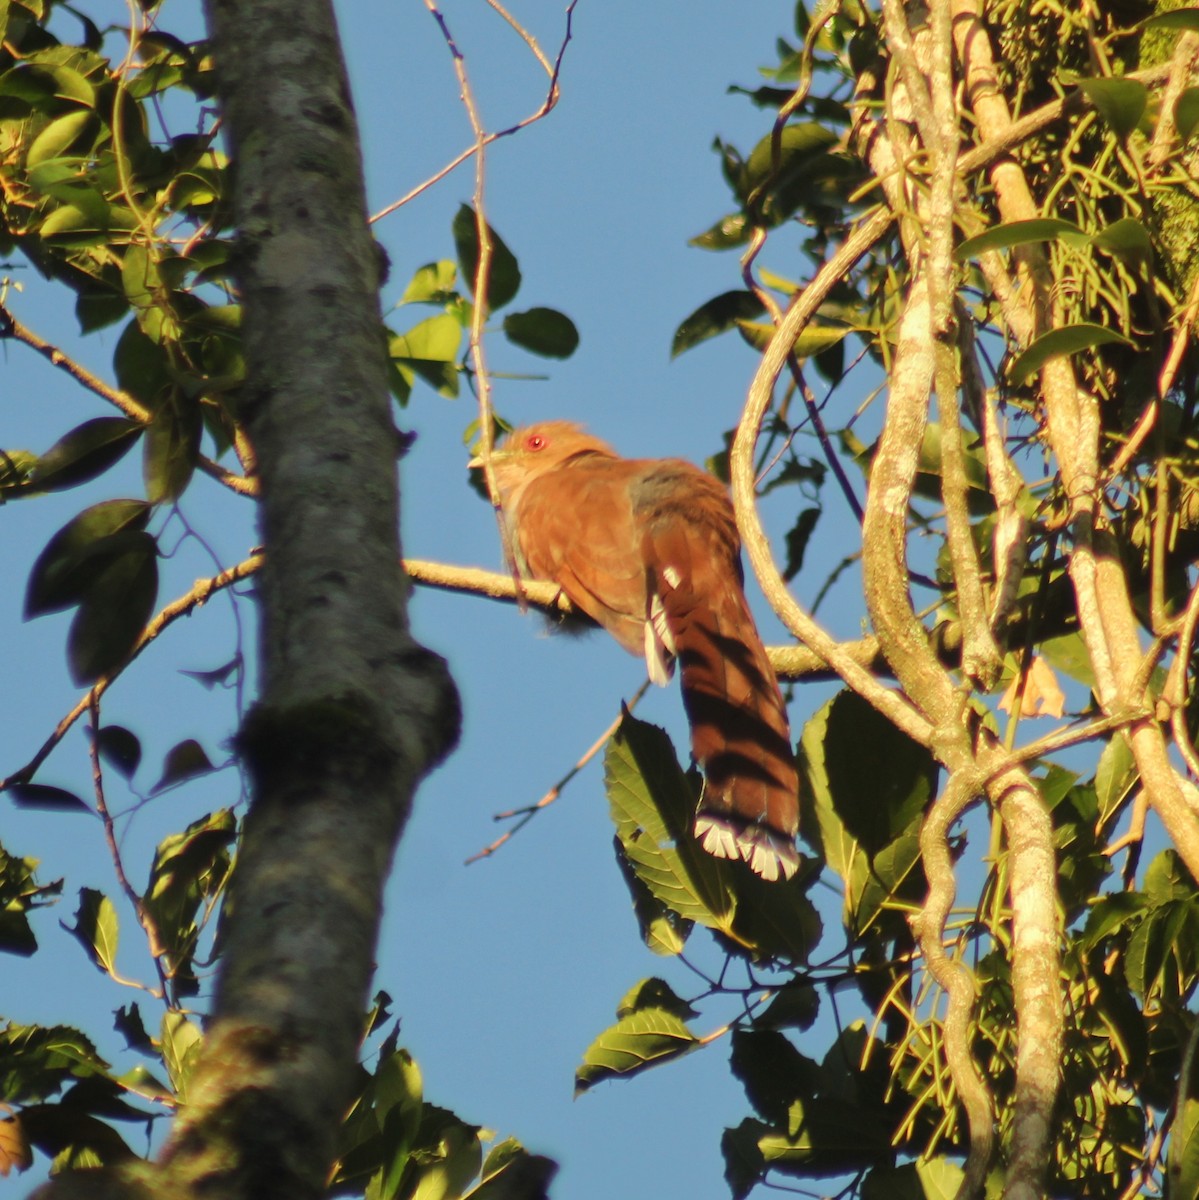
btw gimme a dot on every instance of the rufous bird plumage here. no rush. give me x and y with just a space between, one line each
649 549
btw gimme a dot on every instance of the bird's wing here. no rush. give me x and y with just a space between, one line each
576 527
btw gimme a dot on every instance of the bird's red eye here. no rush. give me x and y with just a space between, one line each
535 442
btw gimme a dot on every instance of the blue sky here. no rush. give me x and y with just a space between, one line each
504 971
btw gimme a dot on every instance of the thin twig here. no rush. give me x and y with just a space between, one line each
144 918
527 813
547 106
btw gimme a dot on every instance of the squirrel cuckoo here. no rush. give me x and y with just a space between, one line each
649 549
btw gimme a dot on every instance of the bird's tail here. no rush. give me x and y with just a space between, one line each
740 737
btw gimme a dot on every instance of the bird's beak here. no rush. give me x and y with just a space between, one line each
498 454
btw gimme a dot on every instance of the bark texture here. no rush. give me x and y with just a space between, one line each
353 712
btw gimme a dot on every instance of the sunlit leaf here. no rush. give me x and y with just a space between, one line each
97 929
1069 339
635 1043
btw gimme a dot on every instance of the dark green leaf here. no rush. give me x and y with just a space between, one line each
795 1006
635 1043
119 748
1186 111
141 366
504 278
797 538
510 1172
117 602
773 1072
172 448
218 675
1121 102
183 761
127 1021
1017 233
1127 238
19 893
717 315
543 331
1070 339
654 993
96 929
87 451
744 1165
43 796
72 557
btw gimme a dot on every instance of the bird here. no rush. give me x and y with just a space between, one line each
649 549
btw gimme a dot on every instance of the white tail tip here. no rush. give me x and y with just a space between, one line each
768 854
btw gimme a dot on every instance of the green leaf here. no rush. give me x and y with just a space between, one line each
119 748
773 1072
181 1042
141 366
653 807
183 761
61 133
172 447
1126 238
635 1043
543 331
37 1061
117 603
72 225
796 540
1017 233
43 796
1115 776
431 284
87 451
1070 339
796 1005
15 468
815 339
662 929
399 1106
1182 1158
448 1156
744 1165
716 316
1180 18
96 929
728 233
19 894
510 1172
63 570
867 785
654 993
504 278
1186 110
1121 102
429 350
